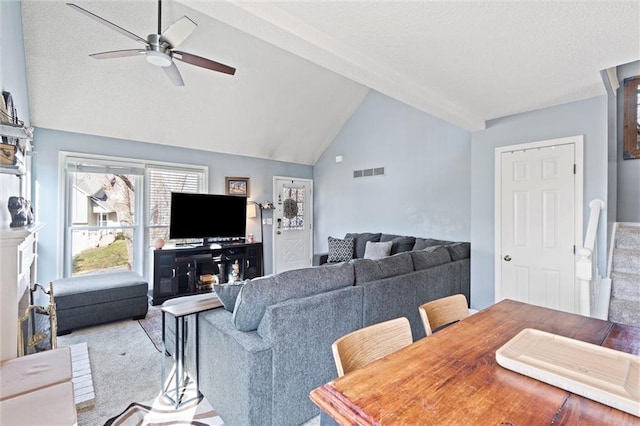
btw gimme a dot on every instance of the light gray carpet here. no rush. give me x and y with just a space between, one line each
625 276
126 368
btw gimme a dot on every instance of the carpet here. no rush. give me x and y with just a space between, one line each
161 411
152 326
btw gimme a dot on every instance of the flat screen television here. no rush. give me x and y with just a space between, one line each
207 216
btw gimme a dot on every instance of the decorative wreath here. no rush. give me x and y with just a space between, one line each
289 208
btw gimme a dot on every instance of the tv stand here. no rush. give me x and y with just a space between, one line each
184 270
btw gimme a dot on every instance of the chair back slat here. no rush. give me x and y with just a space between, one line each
443 311
361 347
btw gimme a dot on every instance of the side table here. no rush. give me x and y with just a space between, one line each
179 312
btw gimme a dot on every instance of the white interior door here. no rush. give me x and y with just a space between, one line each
538 209
293 223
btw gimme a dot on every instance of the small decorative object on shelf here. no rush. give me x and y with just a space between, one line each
8 154
8 116
158 243
21 211
236 271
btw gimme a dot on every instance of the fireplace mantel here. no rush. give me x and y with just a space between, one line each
18 264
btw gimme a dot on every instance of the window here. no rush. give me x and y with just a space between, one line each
631 118
114 209
293 208
162 181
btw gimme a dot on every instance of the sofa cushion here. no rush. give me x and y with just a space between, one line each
91 290
459 251
377 250
360 242
424 259
261 292
228 293
340 250
400 242
423 243
369 270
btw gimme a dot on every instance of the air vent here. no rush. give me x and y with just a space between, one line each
377 171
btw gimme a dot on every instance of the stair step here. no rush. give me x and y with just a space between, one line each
628 236
624 312
625 286
626 260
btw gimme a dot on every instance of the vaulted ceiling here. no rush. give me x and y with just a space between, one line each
304 67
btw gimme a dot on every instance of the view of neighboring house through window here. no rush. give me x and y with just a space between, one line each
161 182
105 202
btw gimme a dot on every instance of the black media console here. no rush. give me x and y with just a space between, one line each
184 271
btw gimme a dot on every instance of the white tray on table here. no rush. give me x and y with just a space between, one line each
602 374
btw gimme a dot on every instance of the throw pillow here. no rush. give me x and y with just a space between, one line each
340 250
228 293
360 242
377 250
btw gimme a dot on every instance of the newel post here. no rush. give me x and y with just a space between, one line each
584 272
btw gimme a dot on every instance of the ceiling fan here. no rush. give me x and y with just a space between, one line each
160 48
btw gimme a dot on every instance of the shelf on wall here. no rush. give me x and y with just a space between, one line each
16 131
24 136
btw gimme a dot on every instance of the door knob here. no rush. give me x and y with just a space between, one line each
507 258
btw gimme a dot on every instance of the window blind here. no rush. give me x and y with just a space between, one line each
162 181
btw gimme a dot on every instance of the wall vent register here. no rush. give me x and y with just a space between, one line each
378 171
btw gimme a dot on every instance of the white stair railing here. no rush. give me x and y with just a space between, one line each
587 262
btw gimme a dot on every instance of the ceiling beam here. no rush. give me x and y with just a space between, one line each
270 23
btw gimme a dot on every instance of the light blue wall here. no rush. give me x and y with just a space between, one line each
13 74
588 118
13 79
628 170
426 187
49 189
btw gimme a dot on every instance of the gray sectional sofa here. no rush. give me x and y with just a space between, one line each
259 362
400 243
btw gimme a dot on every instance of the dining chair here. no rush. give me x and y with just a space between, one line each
440 312
361 347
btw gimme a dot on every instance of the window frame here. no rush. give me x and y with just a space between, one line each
142 252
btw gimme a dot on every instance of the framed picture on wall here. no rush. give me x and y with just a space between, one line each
237 186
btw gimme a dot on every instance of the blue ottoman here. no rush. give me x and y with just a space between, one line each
96 299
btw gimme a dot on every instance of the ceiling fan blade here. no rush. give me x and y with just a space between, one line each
179 31
108 24
174 74
203 62
118 53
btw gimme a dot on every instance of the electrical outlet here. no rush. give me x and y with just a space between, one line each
267 221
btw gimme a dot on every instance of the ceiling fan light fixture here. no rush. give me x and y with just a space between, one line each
158 58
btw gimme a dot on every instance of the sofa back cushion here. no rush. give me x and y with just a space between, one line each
430 257
259 293
459 251
370 270
400 243
360 242
423 243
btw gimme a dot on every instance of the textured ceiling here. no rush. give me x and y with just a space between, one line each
303 67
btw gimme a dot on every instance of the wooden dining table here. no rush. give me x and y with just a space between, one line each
452 376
